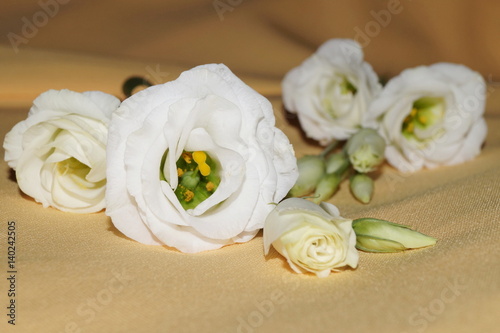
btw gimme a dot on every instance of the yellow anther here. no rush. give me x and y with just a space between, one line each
187 157
410 127
180 172
204 169
413 112
199 157
210 186
188 195
422 119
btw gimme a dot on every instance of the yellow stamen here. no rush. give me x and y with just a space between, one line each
413 112
180 172
210 186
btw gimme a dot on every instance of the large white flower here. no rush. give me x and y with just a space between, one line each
59 151
431 116
312 238
196 162
331 91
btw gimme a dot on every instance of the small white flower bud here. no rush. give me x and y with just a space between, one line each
365 150
362 187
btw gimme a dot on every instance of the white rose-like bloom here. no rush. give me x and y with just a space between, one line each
59 151
312 238
431 116
331 91
210 118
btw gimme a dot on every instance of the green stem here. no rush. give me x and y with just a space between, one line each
329 148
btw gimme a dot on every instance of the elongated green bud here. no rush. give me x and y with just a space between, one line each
374 235
326 187
311 169
336 162
362 187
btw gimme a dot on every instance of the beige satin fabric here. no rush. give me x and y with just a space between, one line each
77 273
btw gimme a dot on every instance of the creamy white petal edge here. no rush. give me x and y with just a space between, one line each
455 138
209 109
59 152
314 91
312 238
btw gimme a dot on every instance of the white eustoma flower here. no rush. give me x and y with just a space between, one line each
195 163
431 116
331 91
312 238
59 151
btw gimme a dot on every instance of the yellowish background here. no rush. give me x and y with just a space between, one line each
76 273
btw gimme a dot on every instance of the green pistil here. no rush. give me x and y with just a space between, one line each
197 178
331 96
347 87
425 112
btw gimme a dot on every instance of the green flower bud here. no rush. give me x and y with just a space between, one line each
365 150
311 169
336 162
374 235
327 185
361 187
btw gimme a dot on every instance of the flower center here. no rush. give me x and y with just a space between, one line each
337 96
197 176
346 87
426 112
77 172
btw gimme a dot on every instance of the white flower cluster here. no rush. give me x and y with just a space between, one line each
192 164
428 115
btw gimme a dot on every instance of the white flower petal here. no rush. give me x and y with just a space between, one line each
312 238
62 125
447 141
316 91
206 109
